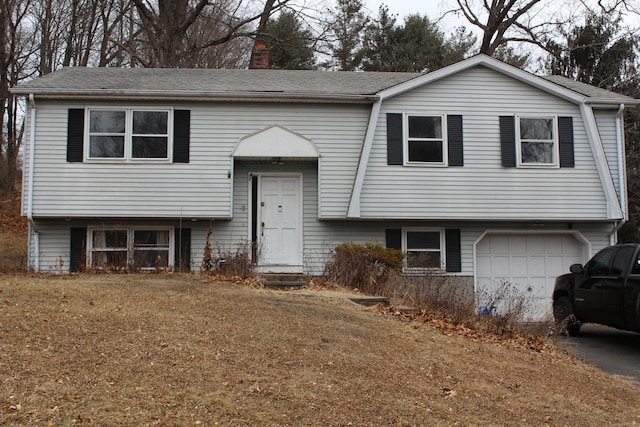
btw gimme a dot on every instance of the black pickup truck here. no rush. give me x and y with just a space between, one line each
605 291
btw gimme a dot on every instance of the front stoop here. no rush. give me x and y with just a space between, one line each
284 280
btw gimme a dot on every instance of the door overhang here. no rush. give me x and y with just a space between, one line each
275 142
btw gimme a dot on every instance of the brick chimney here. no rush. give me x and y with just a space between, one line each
259 57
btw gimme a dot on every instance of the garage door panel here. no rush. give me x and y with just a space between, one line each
535 245
518 246
500 266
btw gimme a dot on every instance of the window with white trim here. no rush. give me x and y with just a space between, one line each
128 134
138 248
424 248
537 141
425 140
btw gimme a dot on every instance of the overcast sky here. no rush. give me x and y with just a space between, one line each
432 8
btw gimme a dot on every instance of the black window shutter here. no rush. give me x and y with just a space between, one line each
182 240
181 135
393 238
75 134
78 247
394 139
565 138
454 136
453 256
508 141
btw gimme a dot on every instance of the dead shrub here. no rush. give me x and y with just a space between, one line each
367 267
229 262
435 292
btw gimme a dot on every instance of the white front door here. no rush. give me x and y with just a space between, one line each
280 223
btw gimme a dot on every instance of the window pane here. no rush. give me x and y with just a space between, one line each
149 147
622 261
536 129
599 264
537 152
425 127
150 122
423 240
106 146
150 258
425 151
109 259
151 238
106 121
103 239
417 259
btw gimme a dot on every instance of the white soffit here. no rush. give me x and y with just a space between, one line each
275 141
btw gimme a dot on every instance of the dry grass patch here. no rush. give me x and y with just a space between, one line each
174 350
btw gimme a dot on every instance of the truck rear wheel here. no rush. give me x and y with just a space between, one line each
566 321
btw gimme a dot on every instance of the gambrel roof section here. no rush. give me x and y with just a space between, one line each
585 96
213 84
562 87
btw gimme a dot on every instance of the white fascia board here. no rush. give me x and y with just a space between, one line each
493 64
614 210
354 202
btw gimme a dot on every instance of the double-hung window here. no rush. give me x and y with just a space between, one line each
425 141
537 141
424 248
129 134
125 248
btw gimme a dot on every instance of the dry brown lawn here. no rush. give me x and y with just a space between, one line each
177 350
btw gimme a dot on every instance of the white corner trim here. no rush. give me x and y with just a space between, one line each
354 202
614 210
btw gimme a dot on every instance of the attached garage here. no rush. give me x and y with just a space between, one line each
528 263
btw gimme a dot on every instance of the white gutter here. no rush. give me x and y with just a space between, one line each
232 96
354 203
33 229
614 210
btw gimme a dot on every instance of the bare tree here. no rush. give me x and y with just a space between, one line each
166 28
15 52
496 18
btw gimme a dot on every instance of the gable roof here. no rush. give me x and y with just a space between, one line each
212 83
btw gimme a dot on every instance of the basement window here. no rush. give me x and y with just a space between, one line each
130 248
424 248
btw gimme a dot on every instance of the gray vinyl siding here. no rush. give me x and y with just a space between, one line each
201 188
482 189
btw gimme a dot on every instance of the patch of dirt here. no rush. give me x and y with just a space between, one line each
174 349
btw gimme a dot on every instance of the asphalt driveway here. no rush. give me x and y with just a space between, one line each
611 350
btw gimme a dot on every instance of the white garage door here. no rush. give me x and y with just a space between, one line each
525 265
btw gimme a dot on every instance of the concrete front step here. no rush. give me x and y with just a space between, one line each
370 300
284 281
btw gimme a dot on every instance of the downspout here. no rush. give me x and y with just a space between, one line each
613 235
33 229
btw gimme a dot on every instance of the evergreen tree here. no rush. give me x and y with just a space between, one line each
290 44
